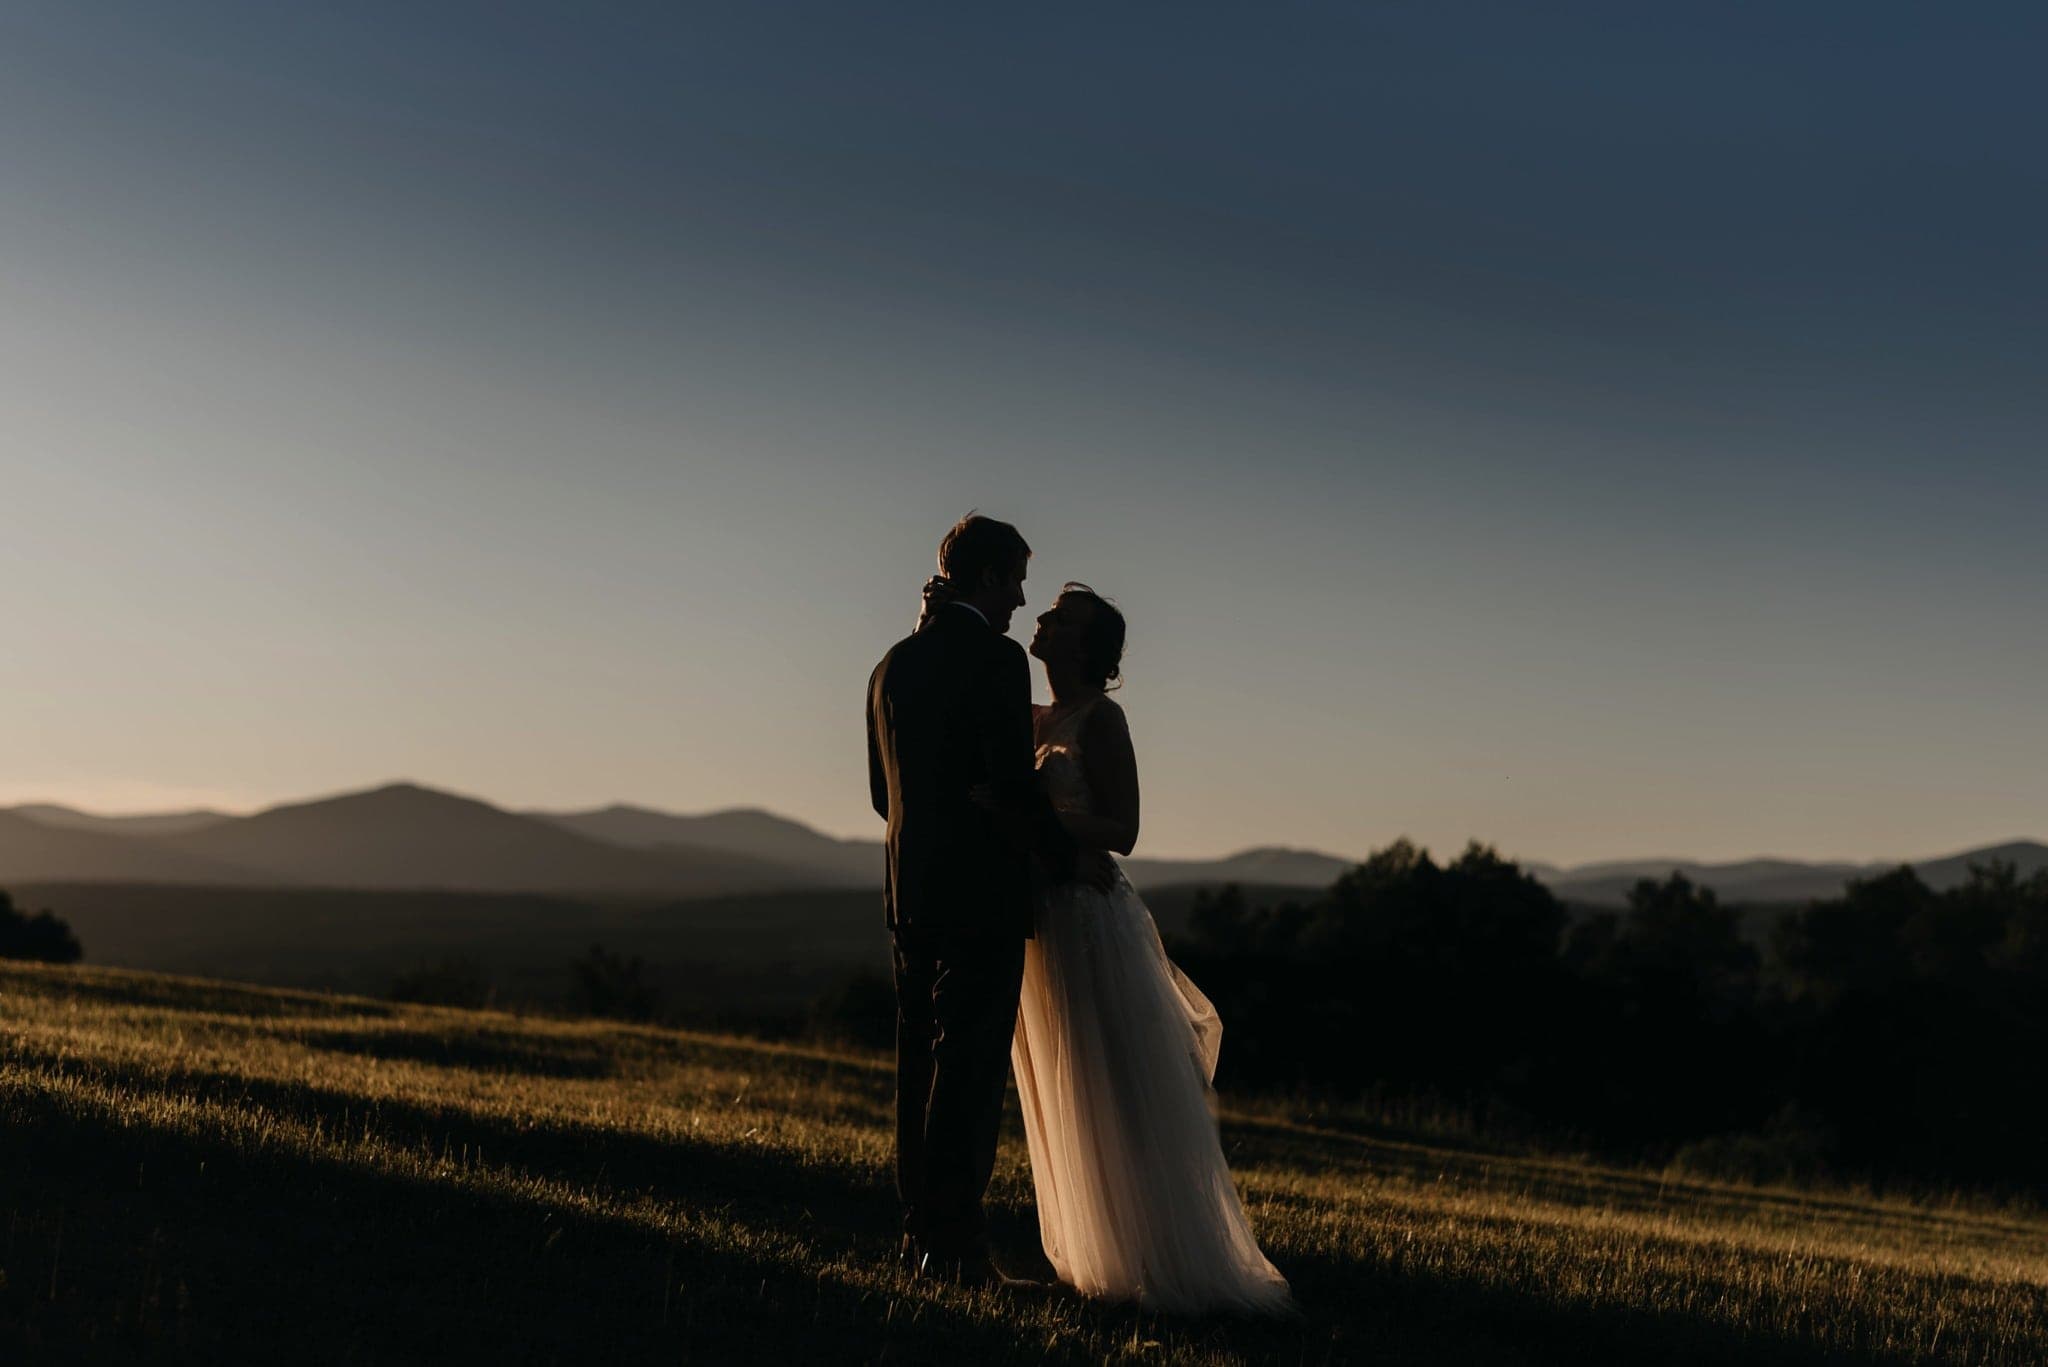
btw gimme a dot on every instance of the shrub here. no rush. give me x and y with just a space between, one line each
41 937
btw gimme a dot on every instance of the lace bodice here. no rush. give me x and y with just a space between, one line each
1059 758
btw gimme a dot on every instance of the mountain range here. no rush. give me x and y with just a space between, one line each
404 836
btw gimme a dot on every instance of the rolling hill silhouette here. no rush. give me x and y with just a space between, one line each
858 863
407 836
1271 864
151 823
2027 856
1758 881
741 830
32 850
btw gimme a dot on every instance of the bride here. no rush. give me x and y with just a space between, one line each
1115 1049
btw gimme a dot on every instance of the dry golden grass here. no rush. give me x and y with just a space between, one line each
200 1171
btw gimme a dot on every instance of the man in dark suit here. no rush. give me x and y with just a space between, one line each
949 711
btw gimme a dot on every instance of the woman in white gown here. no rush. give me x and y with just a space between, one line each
1115 1049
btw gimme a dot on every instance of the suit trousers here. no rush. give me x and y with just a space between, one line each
956 1011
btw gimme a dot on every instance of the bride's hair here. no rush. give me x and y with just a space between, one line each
1104 638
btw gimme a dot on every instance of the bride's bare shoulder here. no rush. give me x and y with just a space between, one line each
1106 716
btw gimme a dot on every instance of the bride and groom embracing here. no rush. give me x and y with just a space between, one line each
1018 940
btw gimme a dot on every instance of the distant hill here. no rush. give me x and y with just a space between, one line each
1782 880
740 830
1768 880
406 836
154 823
1953 870
29 849
1266 866
858 863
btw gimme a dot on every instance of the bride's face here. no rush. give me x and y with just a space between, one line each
1058 638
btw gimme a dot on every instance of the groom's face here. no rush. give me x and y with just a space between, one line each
1006 595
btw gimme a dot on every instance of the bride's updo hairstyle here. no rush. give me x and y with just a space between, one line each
1102 642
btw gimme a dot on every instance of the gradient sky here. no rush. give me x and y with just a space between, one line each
1599 429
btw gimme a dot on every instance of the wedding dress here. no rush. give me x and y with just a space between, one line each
1114 1055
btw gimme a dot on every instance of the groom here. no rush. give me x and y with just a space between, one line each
949 710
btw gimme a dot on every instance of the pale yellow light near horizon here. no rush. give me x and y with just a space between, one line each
368 421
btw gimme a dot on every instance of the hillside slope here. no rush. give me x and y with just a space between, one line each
144 824
195 1171
748 831
31 850
406 836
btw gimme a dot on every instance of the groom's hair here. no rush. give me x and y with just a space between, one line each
976 545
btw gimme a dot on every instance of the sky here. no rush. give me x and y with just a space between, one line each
1598 430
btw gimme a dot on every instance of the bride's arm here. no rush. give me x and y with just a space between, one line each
1112 768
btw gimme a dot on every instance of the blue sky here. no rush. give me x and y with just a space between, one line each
1596 429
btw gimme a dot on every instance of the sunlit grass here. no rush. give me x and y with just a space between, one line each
205 1171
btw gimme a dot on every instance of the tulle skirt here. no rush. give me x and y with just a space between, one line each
1114 1054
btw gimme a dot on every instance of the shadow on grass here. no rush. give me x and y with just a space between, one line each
130 1239
483 1051
1588 1184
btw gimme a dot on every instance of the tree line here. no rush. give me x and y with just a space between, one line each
1889 1031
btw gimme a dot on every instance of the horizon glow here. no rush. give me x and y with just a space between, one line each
1589 434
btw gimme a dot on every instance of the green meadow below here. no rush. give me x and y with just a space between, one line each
200 1171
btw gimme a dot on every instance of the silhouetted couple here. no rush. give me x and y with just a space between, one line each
1018 939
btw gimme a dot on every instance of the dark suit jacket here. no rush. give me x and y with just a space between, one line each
950 708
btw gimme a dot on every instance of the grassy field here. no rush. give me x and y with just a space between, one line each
761 954
205 1172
